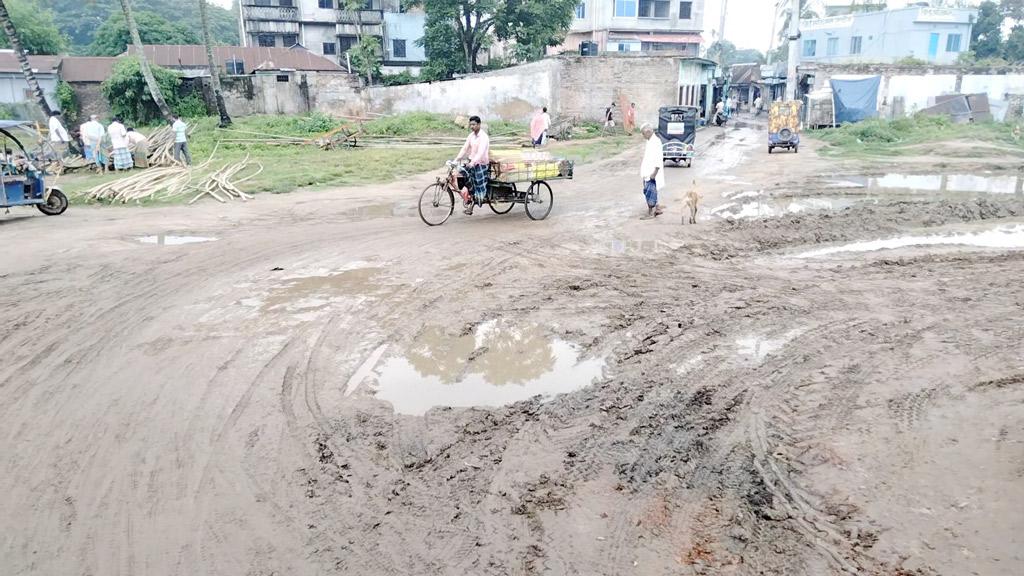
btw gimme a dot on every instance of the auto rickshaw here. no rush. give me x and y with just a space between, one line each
784 125
22 177
677 129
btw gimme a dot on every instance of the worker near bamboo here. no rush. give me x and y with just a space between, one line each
181 140
119 143
59 137
477 154
92 133
139 146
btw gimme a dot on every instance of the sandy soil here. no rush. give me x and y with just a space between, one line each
226 407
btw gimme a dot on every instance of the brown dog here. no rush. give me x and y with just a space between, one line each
692 198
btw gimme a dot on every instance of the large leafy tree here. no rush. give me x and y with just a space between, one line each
36 29
80 20
11 33
468 27
113 36
130 96
1013 50
987 35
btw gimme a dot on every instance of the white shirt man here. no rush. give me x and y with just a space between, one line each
92 138
57 131
652 170
118 135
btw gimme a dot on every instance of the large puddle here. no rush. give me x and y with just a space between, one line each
307 293
170 240
942 183
500 363
1001 237
754 204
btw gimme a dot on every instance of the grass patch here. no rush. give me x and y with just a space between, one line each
898 137
288 168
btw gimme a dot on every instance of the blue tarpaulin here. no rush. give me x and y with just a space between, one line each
855 100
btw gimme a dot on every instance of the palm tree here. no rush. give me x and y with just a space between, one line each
222 109
26 68
147 73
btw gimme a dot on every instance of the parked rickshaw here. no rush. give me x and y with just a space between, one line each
437 202
677 129
784 125
22 177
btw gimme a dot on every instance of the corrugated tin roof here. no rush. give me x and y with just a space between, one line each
9 63
252 57
745 73
86 68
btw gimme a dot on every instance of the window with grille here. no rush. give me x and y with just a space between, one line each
810 48
625 8
235 66
345 43
832 48
855 45
326 4
265 40
330 48
953 43
287 3
282 77
289 40
581 10
398 48
654 8
685 10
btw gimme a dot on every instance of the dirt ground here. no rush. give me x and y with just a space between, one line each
263 403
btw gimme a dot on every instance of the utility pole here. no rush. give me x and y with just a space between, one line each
775 22
794 49
721 29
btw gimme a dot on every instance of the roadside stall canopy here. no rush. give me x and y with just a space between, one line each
855 98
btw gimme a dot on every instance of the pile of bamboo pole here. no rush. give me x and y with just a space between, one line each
161 147
221 187
154 183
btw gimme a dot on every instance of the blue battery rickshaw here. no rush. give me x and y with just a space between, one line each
22 176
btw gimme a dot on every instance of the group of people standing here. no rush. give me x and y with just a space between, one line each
128 147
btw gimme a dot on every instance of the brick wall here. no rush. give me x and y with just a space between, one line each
587 85
90 100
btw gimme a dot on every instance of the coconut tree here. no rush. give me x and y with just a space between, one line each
147 73
222 109
19 53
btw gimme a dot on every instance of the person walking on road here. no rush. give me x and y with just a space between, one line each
609 119
651 171
477 151
119 142
59 138
181 141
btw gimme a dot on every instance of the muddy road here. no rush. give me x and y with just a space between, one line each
317 383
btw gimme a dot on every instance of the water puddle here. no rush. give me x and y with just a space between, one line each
310 293
760 347
169 240
1000 237
499 363
373 211
752 205
952 183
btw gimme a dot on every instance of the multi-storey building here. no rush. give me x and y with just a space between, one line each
638 26
935 35
328 28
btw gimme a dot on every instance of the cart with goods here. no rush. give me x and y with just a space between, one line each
511 181
22 177
784 125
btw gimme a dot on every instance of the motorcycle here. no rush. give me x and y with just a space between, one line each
720 119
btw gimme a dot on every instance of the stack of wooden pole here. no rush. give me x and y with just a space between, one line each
220 186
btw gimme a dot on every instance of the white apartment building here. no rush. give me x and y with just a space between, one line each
638 26
326 28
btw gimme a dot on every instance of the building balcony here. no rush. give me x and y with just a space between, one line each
367 30
270 13
271 27
360 17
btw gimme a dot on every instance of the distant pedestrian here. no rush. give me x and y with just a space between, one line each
651 170
140 148
757 105
92 133
119 142
59 137
609 119
539 128
181 141
629 118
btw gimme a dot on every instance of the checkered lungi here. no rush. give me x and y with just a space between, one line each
122 159
477 176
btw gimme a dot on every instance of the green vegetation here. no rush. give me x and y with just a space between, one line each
888 138
113 38
129 97
80 20
290 167
36 28
987 43
68 102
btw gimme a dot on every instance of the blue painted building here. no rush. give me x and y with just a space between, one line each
935 35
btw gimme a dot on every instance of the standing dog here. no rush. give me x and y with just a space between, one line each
692 198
